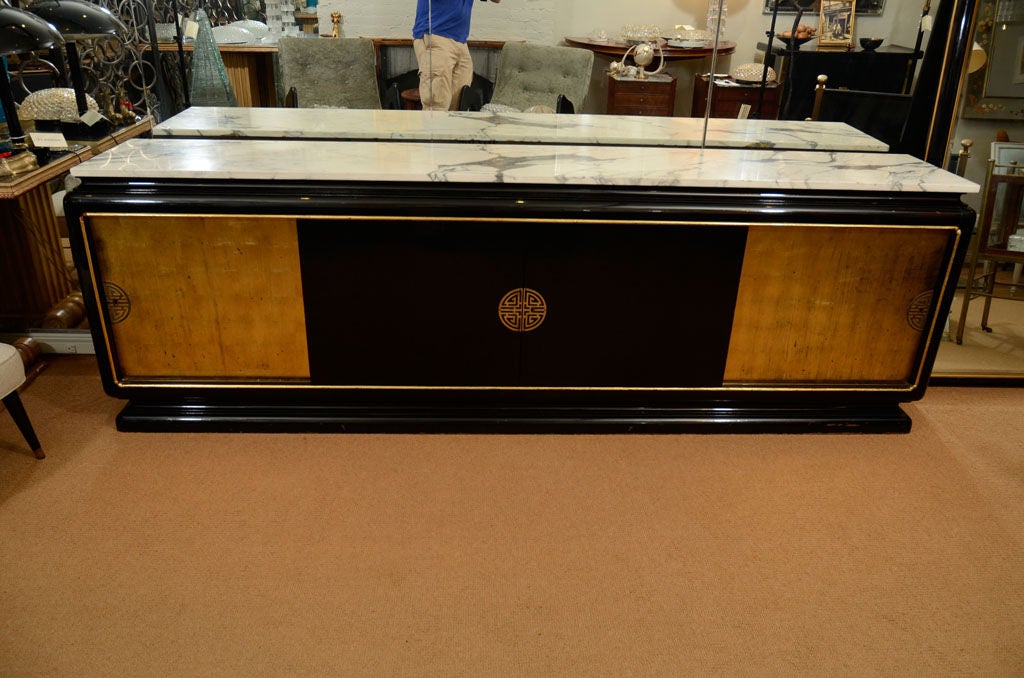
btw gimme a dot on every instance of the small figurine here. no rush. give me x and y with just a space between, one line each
336 21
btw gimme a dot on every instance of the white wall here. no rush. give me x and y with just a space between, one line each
532 20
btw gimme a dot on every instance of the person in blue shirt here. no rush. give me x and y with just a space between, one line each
439 40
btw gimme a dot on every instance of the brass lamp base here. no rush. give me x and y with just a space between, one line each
19 163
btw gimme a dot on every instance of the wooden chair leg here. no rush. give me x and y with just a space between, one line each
13 404
819 93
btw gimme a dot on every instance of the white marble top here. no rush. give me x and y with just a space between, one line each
482 127
285 160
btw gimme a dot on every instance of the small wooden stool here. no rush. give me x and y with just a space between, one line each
310 23
12 375
411 99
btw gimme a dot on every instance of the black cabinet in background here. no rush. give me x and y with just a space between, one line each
886 69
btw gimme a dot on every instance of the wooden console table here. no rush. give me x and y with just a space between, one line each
617 48
250 69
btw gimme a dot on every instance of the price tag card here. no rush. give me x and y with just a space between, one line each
52 140
91 117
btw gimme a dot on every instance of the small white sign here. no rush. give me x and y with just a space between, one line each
91 117
52 140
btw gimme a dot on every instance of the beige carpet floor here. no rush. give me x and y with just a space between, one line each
395 555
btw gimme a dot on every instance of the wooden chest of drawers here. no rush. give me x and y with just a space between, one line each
726 101
655 95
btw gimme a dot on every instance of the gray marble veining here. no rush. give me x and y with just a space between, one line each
481 127
291 160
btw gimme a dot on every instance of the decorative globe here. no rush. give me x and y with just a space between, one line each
643 55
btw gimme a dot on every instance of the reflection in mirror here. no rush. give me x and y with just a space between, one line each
985 336
990 346
870 55
600 26
602 23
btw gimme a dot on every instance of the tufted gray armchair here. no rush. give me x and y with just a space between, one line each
328 72
534 75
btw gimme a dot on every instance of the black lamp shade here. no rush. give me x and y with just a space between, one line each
75 19
22 32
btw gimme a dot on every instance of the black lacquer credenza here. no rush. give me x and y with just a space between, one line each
322 305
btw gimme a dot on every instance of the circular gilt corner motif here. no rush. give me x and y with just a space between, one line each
522 309
917 313
119 305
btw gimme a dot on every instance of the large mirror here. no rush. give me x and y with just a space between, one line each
746 36
990 348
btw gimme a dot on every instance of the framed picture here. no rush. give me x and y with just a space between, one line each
835 24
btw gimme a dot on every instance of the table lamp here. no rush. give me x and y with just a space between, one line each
20 33
76 20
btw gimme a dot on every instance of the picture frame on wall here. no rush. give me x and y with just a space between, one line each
864 7
835 24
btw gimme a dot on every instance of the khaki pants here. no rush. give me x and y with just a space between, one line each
445 68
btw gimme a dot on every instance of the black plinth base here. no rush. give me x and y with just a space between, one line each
76 130
79 130
240 417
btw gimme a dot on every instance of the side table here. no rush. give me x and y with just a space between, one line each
411 99
726 101
308 22
654 95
